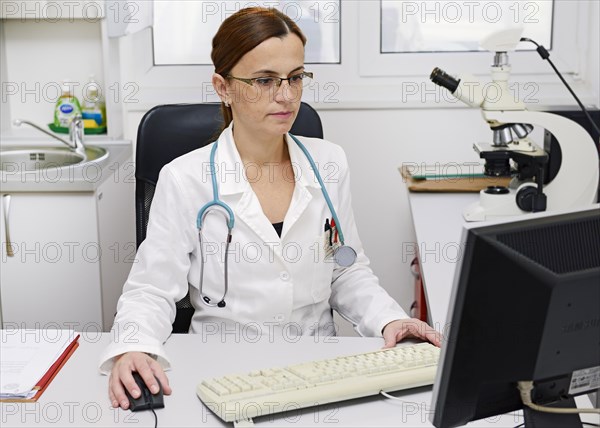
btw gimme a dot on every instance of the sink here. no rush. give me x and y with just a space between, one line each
27 158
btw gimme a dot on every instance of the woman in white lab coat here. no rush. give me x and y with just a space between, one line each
281 280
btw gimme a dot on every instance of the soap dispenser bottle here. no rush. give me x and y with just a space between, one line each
93 108
67 106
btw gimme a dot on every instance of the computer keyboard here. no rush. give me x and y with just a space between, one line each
238 397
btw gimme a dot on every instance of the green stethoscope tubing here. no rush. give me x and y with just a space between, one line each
344 255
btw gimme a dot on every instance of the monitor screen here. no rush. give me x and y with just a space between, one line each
525 306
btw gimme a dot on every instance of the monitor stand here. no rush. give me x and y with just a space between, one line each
536 419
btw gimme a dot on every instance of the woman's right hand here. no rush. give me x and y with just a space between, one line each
121 377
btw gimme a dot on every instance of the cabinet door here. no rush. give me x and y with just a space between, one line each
53 278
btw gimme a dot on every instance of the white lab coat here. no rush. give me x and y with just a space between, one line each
277 286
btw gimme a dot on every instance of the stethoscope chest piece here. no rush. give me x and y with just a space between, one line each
344 256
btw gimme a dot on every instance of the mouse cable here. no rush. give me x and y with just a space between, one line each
546 55
153 412
155 417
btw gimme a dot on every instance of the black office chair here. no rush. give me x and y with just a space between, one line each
169 131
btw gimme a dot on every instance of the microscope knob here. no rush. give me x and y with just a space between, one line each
527 199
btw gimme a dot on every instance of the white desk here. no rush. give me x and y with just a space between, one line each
78 396
438 222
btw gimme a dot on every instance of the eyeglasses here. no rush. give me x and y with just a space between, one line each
296 81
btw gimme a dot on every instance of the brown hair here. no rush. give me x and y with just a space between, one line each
242 32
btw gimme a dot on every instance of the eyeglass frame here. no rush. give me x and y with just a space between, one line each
250 81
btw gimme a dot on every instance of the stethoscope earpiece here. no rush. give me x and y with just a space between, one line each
221 304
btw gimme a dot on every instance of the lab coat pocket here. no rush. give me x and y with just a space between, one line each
322 271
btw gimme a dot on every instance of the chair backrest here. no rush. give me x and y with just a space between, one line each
169 131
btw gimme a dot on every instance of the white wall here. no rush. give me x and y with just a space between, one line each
377 143
593 53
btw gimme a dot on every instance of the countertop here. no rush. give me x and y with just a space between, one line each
86 177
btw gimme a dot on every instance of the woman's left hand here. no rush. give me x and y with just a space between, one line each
397 330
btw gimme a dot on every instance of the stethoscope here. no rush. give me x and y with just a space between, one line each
343 255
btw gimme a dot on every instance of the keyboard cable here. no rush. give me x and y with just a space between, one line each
385 394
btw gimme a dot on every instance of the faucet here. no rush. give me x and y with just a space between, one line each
75 142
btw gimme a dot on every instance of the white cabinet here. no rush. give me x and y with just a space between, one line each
72 254
54 275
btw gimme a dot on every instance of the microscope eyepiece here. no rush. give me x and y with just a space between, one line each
441 78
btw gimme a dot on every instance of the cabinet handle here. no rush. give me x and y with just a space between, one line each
6 206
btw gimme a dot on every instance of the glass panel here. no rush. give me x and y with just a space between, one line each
183 29
458 26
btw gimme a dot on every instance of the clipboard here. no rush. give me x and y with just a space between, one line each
449 177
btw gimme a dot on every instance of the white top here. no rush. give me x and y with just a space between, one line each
277 286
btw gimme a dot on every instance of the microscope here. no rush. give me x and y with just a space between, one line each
513 154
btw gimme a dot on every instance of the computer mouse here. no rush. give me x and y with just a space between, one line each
146 400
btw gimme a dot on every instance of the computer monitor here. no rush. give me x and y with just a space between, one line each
525 306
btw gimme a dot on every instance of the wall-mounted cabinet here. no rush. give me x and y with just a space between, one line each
52 10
